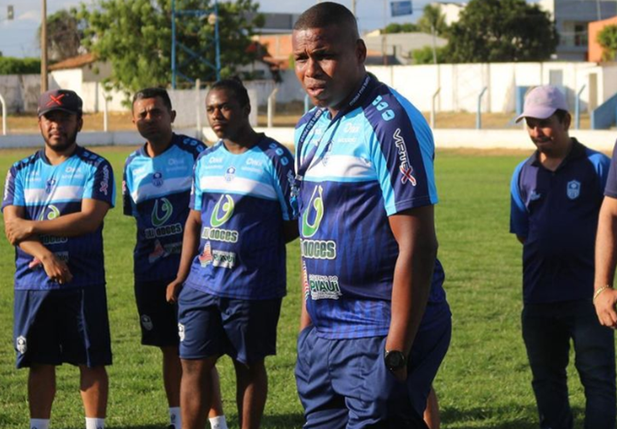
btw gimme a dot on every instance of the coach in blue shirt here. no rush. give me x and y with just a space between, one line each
555 199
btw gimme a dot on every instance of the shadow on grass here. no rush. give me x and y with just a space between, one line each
498 418
282 421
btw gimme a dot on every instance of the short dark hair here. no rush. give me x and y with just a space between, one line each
235 85
326 14
153 93
561 114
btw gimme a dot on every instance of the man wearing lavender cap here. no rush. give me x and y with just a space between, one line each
555 199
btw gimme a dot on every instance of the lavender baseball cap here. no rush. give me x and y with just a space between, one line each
542 101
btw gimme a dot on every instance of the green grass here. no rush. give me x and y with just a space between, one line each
484 381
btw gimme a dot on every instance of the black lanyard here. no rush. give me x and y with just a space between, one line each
308 160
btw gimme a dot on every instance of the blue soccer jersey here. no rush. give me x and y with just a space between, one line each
374 161
557 214
47 191
243 200
156 191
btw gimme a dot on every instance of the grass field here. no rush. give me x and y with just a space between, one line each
483 383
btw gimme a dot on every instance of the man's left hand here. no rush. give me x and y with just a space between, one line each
17 230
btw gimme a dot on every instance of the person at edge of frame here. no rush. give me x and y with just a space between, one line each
232 274
54 204
375 323
156 191
555 199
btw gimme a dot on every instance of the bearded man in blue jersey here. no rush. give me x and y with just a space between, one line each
54 204
232 274
156 191
375 324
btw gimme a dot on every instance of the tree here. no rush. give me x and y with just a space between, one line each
10 65
501 30
64 34
425 55
433 18
407 27
607 38
135 37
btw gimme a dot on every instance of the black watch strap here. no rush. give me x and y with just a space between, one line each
395 360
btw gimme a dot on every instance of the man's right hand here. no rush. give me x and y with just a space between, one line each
173 290
605 307
56 269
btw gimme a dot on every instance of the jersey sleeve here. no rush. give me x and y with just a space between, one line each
611 181
402 152
519 216
283 179
13 189
129 207
100 185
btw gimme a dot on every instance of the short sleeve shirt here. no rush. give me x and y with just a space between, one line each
156 191
373 162
48 191
244 200
557 214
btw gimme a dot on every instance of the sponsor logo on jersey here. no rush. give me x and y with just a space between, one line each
146 322
324 287
350 128
48 240
223 259
574 189
218 234
230 174
49 185
206 256
181 331
405 168
254 162
215 160
176 161
50 212
163 231
227 209
157 179
158 252
315 249
166 208
7 182
104 185
21 344
315 210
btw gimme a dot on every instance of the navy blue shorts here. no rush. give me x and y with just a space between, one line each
213 326
57 326
158 318
345 383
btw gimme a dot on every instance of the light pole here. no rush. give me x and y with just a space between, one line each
43 46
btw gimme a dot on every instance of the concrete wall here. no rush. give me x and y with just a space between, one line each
20 92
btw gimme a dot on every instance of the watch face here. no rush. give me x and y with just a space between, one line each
395 360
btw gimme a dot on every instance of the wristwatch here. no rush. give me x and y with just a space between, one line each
394 360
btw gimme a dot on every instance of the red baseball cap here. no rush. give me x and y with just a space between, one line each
60 99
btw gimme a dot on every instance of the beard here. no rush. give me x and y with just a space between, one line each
61 146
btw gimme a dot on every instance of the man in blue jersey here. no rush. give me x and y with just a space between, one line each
375 324
556 196
233 257
54 204
156 191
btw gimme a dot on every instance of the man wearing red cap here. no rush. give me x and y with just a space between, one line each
555 199
54 203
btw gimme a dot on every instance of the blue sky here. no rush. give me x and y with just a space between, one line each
18 37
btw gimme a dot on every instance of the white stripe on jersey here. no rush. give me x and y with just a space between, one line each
343 167
58 194
169 186
238 185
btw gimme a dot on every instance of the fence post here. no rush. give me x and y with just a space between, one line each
577 108
271 103
435 94
3 115
479 111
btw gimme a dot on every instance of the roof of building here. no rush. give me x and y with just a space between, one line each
74 62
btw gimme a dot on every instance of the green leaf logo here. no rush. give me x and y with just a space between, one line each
316 203
227 208
52 214
167 210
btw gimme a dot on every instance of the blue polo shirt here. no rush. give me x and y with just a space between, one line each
611 182
557 213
